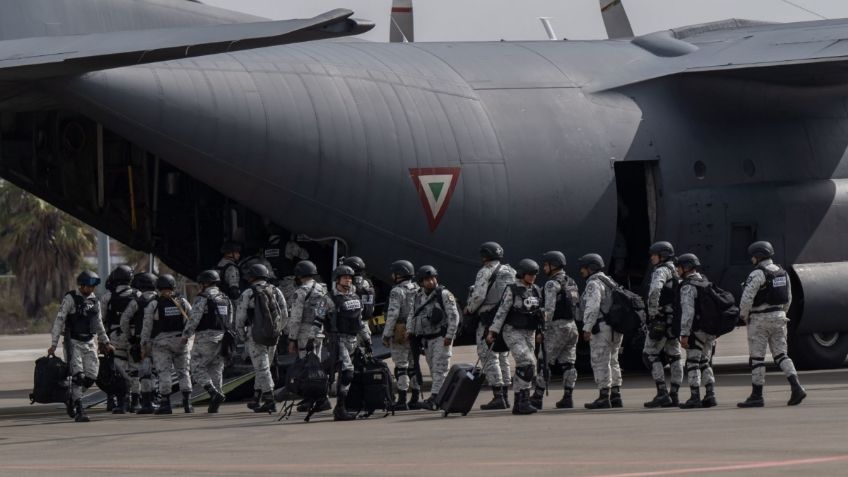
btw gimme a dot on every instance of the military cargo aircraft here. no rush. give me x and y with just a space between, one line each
172 126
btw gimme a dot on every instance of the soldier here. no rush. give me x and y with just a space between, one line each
663 326
697 343
562 301
115 301
79 320
395 336
211 315
345 322
766 297
306 323
228 269
604 343
363 286
486 293
275 253
262 356
434 322
162 336
132 320
519 316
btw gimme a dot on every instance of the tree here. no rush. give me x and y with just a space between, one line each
43 246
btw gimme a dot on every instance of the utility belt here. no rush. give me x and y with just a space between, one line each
439 334
562 318
82 336
770 309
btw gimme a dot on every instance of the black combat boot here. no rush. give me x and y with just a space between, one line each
756 397
110 402
79 412
566 402
603 401
505 394
662 399
257 395
120 404
187 407
537 398
340 411
400 404
428 404
522 403
164 406
798 392
215 399
694 400
675 402
146 404
709 398
615 397
135 406
268 404
498 401
414 403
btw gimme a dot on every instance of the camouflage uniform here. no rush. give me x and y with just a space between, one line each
661 307
496 365
308 311
84 312
766 325
347 325
700 349
561 334
206 325
605 343
167 346
432 335
260 355
119 339
398 310
365 289
520 339
130 328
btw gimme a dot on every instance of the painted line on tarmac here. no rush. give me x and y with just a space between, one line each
731 468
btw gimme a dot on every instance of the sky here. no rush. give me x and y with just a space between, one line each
488 20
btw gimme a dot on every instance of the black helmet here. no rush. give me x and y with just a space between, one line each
257 270
491 251
208 277
88 278
688 261
144 281
341 271
402 268
305 268
663 249
230 247
526 267
761 250
356 263
121 275
425 272
554 258
592 261
166 282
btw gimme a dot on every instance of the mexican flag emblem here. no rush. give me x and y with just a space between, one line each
435 187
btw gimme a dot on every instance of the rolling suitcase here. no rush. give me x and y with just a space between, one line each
460 390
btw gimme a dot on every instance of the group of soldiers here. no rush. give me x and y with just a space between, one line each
146 326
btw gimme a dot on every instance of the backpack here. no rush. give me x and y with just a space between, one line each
305 378
371 388
50 381
265 326
627 312
110 379
717 311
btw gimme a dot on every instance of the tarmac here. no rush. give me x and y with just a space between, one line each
630 442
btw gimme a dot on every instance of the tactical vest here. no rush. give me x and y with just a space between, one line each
137 320
169 318
775 291
567 299
526 310
348 314
434 320
80 320
215 314
117 304
366 295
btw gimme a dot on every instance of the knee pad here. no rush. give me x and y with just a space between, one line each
526 373
673 358
780 358
346 377
567 367
756 362
401 372
87 382
78 379
649 359
556 368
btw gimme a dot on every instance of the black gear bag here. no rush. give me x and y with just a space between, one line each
50 383
305 378
371 388
627 312
717 311
110 379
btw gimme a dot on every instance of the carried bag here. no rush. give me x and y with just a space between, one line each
717 310
50 381
371 388
267 316
627 312
110 379
306 378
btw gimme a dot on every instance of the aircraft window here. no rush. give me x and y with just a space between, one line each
700 169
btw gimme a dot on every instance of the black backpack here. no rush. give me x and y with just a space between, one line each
371 388
305 378
110 379
267 312
717 311
627 312
50 382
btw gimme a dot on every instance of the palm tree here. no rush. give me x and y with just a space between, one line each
42 245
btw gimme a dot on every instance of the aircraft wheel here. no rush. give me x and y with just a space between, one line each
818 350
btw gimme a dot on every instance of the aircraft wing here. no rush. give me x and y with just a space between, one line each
43 57
797 53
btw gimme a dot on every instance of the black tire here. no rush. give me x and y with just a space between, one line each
818 350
